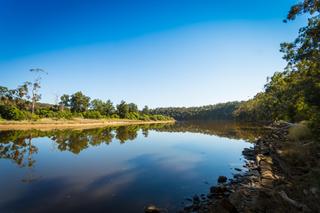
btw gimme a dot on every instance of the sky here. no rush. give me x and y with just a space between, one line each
150 52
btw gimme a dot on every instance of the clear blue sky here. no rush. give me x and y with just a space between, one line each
151 52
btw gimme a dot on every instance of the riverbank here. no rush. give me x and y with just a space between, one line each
76 123
281 175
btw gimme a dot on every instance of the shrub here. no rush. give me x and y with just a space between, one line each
115 116
144 117
63 114
30 116
133 116
11 113
45 113
92 115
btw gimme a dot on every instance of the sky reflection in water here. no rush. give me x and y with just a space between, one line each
116 169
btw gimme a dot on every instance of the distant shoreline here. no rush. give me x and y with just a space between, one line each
77 123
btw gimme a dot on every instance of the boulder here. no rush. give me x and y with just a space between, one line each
222 179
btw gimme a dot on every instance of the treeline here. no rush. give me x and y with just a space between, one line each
222 111
20 104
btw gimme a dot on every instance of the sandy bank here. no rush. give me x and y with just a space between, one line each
47 124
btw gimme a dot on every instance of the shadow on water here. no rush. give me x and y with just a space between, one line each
146 176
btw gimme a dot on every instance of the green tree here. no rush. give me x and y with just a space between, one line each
123 109
145 110
64 101
133 107
79 102
105 108
109 108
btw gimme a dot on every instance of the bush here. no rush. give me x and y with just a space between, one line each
115 116
92 115
11 113
144 117
30 116
133 116
63 114
45 113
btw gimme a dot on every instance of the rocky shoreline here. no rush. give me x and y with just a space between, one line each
262 188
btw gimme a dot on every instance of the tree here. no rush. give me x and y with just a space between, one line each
22 92
105 108
133 107
123 109
79 102
36 85
145 110
307 6
3 94
97 105
64 101
109 108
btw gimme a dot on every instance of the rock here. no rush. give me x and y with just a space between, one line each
237 169
152 209
218 190
196 199
237 176
253 173
222 179
267 174
266 182
227 205
265 165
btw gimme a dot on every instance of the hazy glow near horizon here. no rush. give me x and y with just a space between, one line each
155 53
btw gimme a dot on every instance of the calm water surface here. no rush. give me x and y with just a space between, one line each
119 169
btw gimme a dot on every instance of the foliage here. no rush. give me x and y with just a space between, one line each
92 114
11 113
15 106
223 111
123 109
64 101
105 108
145 110
79 102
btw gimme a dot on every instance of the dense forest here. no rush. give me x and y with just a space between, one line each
292 95
222 111
22 103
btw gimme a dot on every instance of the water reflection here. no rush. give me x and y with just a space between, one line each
17 145
231 130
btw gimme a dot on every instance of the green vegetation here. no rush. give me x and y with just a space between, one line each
223 111
22 104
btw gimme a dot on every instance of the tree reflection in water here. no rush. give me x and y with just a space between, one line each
17 145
